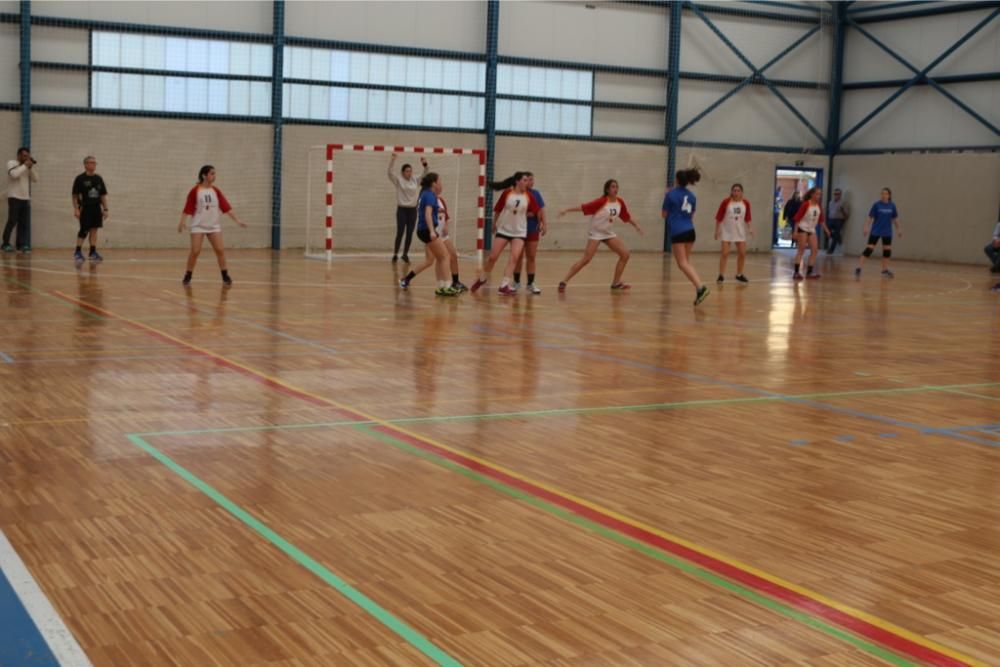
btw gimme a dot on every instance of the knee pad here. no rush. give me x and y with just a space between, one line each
868 252
887 252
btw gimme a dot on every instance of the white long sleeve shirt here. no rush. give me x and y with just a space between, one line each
407 190
19 179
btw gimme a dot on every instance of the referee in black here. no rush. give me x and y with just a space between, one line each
90 207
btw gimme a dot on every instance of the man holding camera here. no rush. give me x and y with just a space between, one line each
20 174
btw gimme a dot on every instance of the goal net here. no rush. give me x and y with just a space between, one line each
351 208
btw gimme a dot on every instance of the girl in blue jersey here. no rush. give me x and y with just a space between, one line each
882 218
428 211
678 210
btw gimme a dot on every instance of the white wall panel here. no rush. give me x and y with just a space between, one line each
637 89
10 45
922 117
64 45
432 24
612 34
754 115
59 88
239 15
920 41
759 40
630 124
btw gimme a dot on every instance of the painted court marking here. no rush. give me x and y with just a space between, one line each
51 630
883 632
413 637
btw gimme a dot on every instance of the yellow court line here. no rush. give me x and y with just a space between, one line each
857 613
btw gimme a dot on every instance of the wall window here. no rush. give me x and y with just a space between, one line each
449 108
159 92
544 117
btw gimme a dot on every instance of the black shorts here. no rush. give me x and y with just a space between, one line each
886 240
424 235
683 237
91 218
509 237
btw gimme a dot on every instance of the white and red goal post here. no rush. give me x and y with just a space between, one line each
331 150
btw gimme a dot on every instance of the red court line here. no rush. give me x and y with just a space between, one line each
882 632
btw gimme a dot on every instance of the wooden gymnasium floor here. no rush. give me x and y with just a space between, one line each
315 468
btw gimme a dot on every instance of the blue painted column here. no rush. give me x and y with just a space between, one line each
26 72
277 97
490 120
673 94
836 91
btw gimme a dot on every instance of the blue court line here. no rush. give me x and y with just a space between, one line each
21 643
261 327
7 359
694 377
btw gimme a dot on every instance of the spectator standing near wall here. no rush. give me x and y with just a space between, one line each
21 173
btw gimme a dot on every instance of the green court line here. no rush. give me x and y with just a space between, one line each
971 395
555 412
411 636
677 563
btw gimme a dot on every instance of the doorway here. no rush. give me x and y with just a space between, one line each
787 181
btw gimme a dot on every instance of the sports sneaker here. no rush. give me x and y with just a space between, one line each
995 288
517 286
459 286
741 278
8 247
404 283
701 295
721 279
446 291
187 279
78 256
395 259
226 280
857 272
26 250
507 290
562 287
888 274
534 289
621 286
95 256
406 258
813 276
476 285
797 276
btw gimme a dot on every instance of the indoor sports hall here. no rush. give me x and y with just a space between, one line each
500 333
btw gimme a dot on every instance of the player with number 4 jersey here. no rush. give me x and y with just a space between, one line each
678 209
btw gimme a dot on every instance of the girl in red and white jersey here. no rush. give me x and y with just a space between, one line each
205 206
443 228
604 212
809 215
510 225
732 224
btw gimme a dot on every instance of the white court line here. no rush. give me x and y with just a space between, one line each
55 633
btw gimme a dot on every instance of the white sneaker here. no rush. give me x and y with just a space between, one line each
517 286
534 289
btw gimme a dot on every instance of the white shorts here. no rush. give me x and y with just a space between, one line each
601 233
733 231
199 229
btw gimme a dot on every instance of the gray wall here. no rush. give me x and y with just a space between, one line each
922 116
150 162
